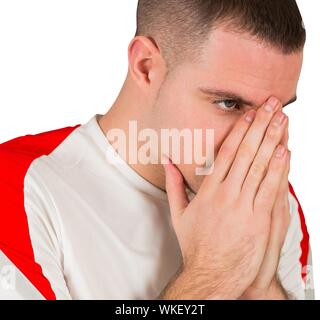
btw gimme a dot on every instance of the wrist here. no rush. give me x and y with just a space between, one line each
196 284
274 291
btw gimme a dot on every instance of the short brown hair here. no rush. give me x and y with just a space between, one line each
182 26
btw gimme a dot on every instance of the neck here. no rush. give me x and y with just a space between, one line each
130 106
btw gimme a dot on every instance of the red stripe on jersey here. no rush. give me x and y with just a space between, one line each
16 157
305 238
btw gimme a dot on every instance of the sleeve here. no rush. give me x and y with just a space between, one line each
295 266
31 259
44 229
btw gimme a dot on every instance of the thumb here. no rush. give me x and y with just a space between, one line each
285 138
177 196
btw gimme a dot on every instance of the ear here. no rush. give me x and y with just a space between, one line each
146 65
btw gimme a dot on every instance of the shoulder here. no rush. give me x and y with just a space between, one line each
29 147
17 155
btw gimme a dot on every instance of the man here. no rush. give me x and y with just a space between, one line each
77 225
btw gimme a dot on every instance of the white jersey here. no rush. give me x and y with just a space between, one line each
75 226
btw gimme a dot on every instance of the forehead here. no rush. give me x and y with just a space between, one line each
239 63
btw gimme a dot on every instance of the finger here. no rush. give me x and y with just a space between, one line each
251 143
285 138
175 187
268 190
229 148
279 227
285 141
259 167
284 187
280 219
280 212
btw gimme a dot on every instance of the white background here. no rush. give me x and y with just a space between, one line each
63 61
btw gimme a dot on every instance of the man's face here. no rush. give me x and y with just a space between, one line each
203 94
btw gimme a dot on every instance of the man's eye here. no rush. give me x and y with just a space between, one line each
228 105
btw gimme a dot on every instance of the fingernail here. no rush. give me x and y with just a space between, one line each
165 160
271 104
279 119
281 150
250 116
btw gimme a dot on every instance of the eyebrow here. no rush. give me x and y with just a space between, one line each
228 95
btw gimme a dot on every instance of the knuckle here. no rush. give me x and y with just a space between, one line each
263 204
284 214
287 218
245 151
272 135
261 117
225 195
226 152
275 166
258 169
283 206
267 190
